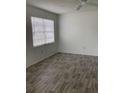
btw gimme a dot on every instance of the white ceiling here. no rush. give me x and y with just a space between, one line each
61 6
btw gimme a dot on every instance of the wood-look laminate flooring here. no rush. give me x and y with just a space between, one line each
63 73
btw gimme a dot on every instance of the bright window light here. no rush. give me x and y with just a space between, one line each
43 31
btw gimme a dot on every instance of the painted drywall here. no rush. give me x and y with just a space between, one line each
36 54
79 32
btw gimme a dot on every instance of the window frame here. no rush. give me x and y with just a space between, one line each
43 31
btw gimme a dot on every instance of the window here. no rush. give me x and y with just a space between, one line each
43 31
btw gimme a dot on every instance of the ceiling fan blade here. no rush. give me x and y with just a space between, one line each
93 4
79 7
82 2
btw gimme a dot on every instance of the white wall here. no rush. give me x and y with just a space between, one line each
36 54
79 32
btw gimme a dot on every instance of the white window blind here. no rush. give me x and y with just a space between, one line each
43 31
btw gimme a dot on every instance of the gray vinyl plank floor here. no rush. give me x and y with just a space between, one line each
63 73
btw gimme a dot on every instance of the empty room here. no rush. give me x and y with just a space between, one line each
62 46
